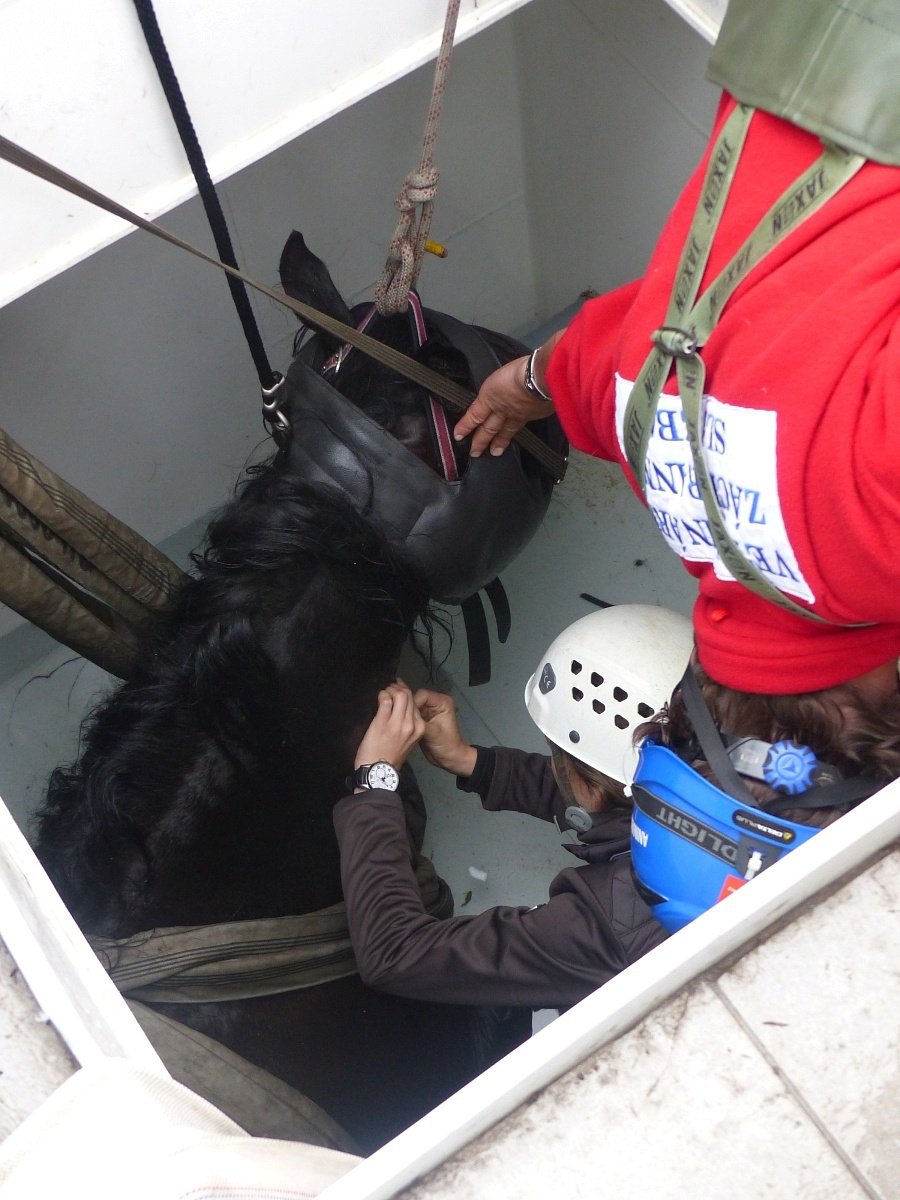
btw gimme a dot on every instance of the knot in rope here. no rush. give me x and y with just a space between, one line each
419 187
407 246
406 249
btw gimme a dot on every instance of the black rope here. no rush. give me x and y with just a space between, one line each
268 379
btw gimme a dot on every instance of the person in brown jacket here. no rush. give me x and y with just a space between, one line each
598 681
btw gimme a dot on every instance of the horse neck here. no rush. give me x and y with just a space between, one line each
226 836
206 790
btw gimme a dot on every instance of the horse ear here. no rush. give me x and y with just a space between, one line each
306 278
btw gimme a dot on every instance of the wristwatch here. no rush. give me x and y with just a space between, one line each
376 775
530 383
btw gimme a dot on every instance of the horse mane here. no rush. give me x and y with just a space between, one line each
238 726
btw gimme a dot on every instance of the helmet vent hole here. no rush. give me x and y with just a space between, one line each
599 706
620 694
644 710
577 694
576 666
596 680
574 736
621 722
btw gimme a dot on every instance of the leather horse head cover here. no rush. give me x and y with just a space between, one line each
460 534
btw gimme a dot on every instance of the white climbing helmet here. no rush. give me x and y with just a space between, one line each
603 676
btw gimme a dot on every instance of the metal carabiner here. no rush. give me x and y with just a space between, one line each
274 419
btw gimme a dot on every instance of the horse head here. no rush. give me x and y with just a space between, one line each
386 443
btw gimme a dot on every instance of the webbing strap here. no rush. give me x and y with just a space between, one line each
22 529
134 565
439 424
459 398
477 639
496 593
236 960
258 1101
653 374
27 590
711 740
70 568
419 330
689 321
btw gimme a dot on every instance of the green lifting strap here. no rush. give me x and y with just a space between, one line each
690 320
72 569
53 607
136 566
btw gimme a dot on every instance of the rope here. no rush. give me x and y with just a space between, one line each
407 247
268 379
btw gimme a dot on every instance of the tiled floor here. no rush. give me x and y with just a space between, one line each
772 1076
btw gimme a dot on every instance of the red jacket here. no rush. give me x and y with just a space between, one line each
803 428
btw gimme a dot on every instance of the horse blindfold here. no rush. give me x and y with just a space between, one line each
459 534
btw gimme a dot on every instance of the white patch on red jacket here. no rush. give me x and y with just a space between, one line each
739 447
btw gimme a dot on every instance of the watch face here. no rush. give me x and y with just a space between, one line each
383 775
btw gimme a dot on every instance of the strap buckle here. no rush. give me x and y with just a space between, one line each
273 418
679 343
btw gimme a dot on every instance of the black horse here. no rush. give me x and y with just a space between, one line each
204 790
205 783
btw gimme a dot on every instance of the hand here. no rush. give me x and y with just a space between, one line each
500 409
442 744
395 728
503 406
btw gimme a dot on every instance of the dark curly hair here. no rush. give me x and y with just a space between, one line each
842 725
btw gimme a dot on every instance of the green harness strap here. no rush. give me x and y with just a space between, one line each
237 960
690 321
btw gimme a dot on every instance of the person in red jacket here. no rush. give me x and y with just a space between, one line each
749 382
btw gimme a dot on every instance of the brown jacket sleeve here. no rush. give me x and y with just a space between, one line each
593 925
515 781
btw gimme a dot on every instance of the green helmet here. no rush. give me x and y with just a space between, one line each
830 66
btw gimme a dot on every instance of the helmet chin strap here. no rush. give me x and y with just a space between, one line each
711 741
722 751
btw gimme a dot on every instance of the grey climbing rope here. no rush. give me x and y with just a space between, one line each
416 198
